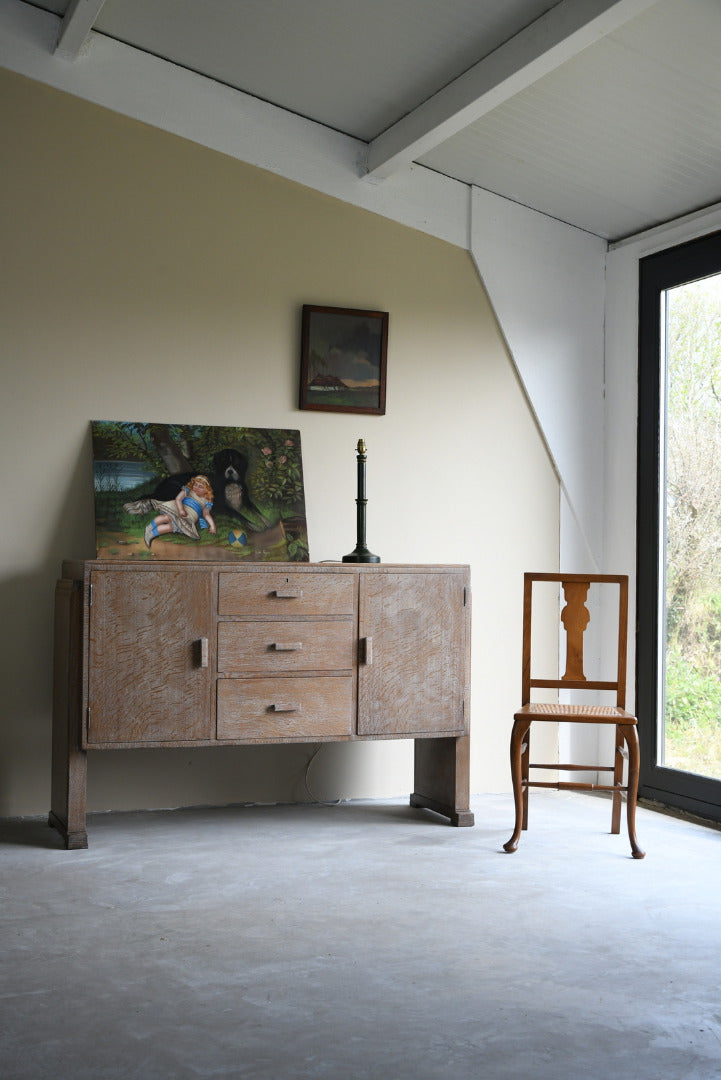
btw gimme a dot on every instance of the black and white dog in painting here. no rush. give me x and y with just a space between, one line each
228 481
230 493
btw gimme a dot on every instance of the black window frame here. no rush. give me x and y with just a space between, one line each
663 270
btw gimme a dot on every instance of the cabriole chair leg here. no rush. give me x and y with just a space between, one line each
520 729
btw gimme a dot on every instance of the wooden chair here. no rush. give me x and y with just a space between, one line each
575 618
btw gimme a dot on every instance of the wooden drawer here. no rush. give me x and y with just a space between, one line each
281 595
273 647
291 708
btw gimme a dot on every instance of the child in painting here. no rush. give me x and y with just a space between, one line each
189 511
185 514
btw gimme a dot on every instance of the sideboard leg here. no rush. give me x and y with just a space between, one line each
69 760
442 778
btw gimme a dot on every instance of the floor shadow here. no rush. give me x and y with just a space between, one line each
359 810
354 812
29 832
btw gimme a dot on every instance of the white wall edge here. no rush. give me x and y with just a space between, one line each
622 270
155 92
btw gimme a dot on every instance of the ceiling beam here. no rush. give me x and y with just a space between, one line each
542 46
76 26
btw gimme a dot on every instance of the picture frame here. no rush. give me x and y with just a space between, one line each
343 360
191 491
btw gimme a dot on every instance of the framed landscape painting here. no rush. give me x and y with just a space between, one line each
183 491
343 360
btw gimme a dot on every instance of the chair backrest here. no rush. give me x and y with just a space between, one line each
575 618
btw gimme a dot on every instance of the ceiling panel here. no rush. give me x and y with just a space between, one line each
621 137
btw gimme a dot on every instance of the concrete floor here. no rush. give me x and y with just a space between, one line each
365 940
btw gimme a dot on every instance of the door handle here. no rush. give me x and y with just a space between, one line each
367 649
202 652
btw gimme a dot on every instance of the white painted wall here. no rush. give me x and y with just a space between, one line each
545 281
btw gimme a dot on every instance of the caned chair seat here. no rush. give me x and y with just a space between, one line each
588 714
575 618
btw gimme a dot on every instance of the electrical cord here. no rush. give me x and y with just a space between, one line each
306 781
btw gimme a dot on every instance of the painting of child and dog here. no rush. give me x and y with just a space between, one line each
179 491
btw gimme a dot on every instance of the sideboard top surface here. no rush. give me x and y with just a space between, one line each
77 568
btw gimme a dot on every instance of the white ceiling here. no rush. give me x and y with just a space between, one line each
605 114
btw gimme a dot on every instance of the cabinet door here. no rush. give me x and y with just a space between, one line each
148 668
412 671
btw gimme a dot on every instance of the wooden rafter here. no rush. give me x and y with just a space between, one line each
75 28
538 49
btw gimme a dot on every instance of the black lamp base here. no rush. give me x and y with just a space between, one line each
361 555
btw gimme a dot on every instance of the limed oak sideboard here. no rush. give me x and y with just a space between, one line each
196 654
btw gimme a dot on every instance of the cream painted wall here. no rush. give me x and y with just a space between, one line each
145 277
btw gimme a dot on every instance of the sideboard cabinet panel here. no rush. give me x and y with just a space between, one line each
148 665
413 671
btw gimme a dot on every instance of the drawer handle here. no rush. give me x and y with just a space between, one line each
289 706
201 646
288 594
287 646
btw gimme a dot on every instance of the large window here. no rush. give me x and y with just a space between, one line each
679 526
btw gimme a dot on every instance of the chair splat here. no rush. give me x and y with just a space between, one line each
575 618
